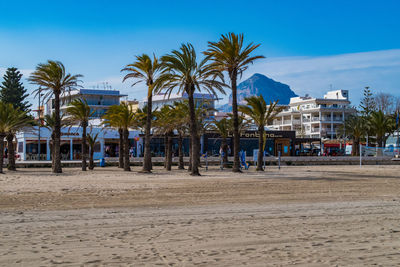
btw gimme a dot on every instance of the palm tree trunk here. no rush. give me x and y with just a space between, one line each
199 153
260 149
83 145
121 149
190 155
91 162
379 141
147 153
2 136
169 150
126 151
193 133
180 151
165 150
224 145
11 152
236 137
57 134
52 148
355 150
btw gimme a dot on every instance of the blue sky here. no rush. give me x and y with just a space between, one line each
310 45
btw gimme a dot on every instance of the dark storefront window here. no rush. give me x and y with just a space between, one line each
246 144
157 147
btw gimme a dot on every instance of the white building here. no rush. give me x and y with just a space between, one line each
108 139
206 101
107 146
315 117
98 100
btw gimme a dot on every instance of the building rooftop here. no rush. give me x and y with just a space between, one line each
94 92
183 95
337 95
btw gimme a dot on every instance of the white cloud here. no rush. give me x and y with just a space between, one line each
315 75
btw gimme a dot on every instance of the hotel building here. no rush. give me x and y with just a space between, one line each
315 117
98 100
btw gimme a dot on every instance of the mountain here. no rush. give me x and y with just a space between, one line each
260 84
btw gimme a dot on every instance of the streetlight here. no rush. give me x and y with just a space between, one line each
40 122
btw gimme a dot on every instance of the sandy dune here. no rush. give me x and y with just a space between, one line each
311 216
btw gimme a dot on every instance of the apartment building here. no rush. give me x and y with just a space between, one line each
98 100
315 117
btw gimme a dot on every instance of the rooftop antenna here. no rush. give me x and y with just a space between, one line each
330 87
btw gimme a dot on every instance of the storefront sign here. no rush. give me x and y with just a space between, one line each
268 134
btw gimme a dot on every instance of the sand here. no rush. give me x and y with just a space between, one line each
309 216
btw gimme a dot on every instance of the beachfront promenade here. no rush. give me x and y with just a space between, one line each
213 161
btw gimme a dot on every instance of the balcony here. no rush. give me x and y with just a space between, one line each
315 118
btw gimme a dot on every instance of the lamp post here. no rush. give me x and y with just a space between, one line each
40 122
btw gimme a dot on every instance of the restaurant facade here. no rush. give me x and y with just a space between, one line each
28 142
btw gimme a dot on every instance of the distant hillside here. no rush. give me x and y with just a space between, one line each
260 84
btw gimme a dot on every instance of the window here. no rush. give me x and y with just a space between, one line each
20 147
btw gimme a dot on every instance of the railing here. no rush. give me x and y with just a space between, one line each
296 121
315 118
287 122
327 131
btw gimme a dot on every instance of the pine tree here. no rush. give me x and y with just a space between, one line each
367 107
12 91
367 104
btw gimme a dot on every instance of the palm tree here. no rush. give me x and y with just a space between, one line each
110 119
382 126
145 70
243 123
229 54
123 116
261 115
92 141
353 128
11 120
181 120
182 72
80 112
6 109
164 125
54 80
49 123
21 121
222 127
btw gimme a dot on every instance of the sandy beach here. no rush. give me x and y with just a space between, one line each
309 216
